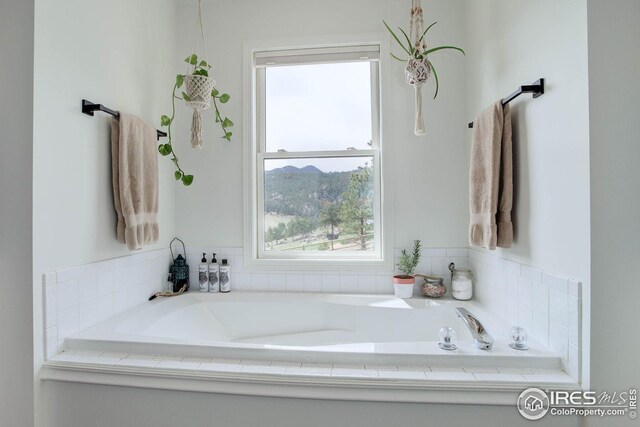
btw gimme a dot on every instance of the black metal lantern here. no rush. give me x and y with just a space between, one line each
179 270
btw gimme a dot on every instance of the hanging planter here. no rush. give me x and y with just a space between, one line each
199 91
199 94
199 86
417 72
418 67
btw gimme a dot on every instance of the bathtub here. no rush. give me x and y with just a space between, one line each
305 327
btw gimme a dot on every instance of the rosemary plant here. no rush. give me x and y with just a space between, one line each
407 263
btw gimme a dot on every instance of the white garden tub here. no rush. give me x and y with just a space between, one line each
305 327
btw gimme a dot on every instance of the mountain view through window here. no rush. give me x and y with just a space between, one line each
325 205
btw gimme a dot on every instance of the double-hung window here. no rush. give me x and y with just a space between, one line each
316 166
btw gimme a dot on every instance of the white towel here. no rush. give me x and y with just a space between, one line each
134 165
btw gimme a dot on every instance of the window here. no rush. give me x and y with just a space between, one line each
316 155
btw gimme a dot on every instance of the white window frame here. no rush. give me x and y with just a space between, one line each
257 58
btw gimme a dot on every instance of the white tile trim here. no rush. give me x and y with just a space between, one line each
273 378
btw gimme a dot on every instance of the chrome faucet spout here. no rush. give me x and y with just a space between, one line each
481 338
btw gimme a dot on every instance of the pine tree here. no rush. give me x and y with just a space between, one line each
356 211
330 216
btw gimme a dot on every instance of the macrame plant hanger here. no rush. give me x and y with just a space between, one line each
198 87
418 69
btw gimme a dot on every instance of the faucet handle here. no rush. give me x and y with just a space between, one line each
518 338
447 335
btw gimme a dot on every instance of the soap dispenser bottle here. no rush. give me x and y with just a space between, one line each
225 277
214 272
203 270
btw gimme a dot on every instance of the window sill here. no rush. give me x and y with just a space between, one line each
252 264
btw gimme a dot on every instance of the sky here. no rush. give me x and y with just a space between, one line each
318 107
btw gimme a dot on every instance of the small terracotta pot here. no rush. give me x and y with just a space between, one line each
403 286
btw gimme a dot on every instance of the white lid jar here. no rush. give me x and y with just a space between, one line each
461 283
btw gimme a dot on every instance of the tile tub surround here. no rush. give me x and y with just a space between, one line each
78 297
433 261
547 305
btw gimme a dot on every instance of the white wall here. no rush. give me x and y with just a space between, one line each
119 53
16 117
429 195
614 66
512 43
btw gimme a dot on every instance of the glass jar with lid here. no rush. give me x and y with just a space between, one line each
461 283
432 286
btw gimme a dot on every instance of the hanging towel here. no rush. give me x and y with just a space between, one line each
491 179
134 166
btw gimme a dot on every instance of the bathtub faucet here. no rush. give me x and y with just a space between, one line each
481 338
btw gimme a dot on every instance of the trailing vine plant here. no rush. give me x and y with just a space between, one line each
201 69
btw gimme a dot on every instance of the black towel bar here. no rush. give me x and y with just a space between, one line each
537 89
89 108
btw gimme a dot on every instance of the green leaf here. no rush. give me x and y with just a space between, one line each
192 59
227 136
168 148
227 123
178 175
165 120
412 48
435 49
163 150
186 97
179 80
224 98
397 39
214 92
425 31
187 180
403 60
201 72
203 64
435 75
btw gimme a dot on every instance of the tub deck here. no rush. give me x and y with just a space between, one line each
316 346
306 328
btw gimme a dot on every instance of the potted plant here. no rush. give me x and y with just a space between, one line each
407 263
200 93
